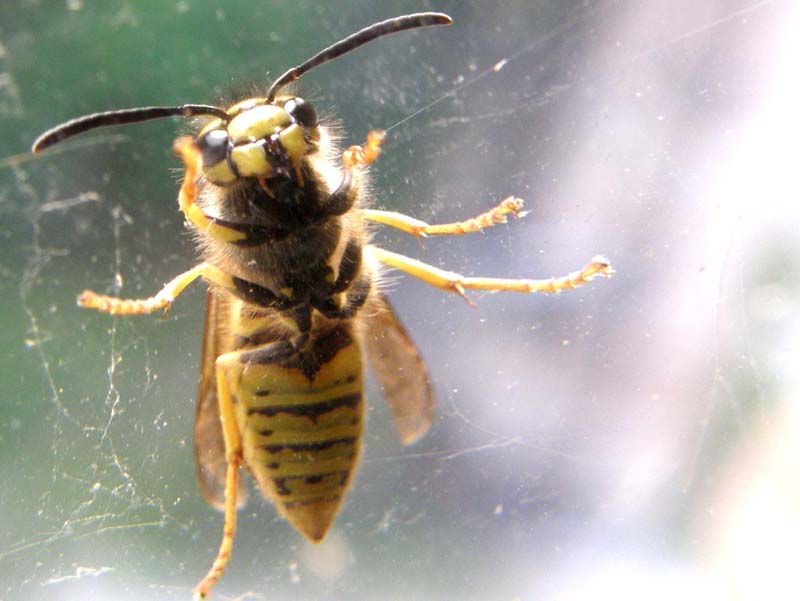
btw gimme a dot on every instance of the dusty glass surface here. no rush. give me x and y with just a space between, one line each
636 438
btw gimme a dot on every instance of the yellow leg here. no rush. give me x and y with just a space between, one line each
366 154
457 283
371 150
233 456
187 150
409 225
161 300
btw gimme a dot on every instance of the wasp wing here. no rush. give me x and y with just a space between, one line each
209 444
399 369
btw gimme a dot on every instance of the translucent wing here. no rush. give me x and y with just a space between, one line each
399 369
209 445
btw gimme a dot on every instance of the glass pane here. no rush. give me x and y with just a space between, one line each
636 437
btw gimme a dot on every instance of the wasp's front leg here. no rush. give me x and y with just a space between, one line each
186 148
344 197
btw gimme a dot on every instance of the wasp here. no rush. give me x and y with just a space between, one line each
294 304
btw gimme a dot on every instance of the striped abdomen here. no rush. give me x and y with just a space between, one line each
300 416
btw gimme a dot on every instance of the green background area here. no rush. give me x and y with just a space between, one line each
585 444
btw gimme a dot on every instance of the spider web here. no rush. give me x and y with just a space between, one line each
557 417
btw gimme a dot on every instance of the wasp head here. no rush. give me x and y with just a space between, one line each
259 139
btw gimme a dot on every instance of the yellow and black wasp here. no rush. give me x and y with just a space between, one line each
279 216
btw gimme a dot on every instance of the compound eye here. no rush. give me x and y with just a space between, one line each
214 147
301 111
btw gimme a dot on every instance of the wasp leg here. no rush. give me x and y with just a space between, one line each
366 154
187 150
343 198
233 457
420 229
161 300
457 283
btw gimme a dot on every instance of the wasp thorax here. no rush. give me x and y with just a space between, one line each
261 140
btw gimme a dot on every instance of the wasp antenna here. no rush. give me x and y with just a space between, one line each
73 127
351 42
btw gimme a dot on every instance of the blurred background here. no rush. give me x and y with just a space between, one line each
636 438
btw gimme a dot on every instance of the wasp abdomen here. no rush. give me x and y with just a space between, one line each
300 413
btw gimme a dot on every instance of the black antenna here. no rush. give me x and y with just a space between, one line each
356 40
73 127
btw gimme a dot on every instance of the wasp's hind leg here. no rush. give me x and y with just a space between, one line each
225 366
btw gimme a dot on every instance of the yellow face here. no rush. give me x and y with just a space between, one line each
260 139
